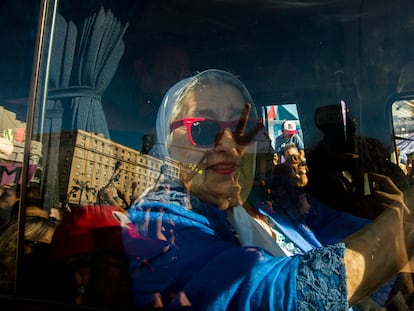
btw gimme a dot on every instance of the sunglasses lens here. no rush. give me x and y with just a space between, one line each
204 132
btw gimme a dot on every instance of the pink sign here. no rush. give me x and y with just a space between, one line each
12 172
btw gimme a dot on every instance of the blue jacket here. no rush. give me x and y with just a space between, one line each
322 226
205 263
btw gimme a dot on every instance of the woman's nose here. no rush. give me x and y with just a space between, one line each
225 140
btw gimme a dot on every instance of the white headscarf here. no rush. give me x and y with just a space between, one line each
163 122
173 98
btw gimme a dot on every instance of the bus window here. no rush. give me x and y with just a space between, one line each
19 154
84 88
284 129
403 122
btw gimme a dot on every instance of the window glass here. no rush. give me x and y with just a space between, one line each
403 121
282 124
84 94
18 33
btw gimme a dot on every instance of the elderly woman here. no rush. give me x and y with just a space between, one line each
207 123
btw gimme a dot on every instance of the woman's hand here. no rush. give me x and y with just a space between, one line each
383 193
383 190
381 249
242 138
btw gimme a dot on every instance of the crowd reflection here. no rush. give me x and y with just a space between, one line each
211 238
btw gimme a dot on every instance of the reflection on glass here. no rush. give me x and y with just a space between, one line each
284 128
12 143
403 121
95 141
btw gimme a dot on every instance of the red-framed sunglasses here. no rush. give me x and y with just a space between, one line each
204 132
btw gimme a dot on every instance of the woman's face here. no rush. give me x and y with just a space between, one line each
220 167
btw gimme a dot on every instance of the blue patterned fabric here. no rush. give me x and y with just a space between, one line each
205 263
318 287
294 230
322 226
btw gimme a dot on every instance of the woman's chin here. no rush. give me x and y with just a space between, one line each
223 188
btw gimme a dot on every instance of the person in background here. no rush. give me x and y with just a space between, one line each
37 237
9 202
402 160
300 169
289 136
207 122
300 222
89 257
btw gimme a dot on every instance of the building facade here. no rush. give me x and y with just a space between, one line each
90 162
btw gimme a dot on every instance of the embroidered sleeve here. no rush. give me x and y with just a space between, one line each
321 279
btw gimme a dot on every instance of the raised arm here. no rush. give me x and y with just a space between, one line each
380 250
